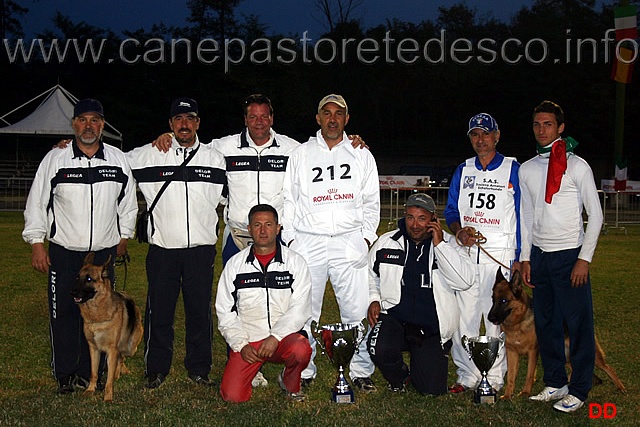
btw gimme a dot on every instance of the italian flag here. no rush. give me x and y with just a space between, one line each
626 28
621 175
626 24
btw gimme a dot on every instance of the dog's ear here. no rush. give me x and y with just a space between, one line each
89 258
105 267
516 283
499 276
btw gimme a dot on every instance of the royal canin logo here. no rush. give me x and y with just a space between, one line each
332 190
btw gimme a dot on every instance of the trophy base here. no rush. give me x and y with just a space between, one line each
343 397
480 398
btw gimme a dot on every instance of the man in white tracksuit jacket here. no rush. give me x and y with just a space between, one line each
183 232
414 276
263 303
331 215
82 200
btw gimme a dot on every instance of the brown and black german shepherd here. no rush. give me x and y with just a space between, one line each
112 322
512 309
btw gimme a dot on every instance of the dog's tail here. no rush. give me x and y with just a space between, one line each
131 314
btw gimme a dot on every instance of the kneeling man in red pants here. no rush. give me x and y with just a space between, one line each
263 302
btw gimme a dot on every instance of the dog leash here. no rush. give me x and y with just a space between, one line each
122 260
480 239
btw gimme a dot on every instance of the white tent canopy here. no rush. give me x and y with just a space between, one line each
52 117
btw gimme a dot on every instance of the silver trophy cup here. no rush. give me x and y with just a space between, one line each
483 350
339 341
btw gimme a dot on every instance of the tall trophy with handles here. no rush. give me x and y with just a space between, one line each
483 350
339 341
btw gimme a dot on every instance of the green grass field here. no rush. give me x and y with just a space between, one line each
27 389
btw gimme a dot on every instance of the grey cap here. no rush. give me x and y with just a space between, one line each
423 201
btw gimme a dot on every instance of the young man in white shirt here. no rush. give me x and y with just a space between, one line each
556 187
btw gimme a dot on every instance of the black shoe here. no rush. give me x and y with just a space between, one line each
154 380
82 383
306 382
65 385
202 380
365 384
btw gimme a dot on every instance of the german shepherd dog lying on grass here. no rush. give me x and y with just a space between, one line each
112 322
512 309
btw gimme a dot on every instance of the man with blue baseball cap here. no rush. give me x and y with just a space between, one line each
484 194
82 200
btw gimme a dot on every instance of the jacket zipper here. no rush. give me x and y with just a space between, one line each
186 196
90 186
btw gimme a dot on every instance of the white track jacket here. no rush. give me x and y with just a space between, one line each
331 192
185 215
453 273
255 174
252 304
79 203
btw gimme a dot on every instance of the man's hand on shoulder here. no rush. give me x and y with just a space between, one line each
357 141
63 143
163 142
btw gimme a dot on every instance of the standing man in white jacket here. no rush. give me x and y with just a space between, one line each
83 199
183 231
331 215
414 276
263 303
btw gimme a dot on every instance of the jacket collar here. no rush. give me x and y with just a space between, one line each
244 139
277 258
77 153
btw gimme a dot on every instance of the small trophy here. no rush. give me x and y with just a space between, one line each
483 350
339 341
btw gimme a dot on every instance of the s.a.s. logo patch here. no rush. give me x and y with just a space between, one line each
469 182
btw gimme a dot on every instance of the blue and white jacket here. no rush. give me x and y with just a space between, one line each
81 203
253 304
185 215
450 271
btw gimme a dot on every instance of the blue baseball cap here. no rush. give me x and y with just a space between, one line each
183 105
88 105
483 121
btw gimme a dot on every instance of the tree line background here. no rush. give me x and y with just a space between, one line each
408 114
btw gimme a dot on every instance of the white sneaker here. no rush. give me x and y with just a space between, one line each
551 393
569 403
296 397
259 380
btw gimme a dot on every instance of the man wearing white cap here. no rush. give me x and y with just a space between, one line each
484 194
331 215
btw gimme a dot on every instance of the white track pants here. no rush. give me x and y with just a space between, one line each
475 304
342 260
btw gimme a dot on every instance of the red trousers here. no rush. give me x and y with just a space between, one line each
294 351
